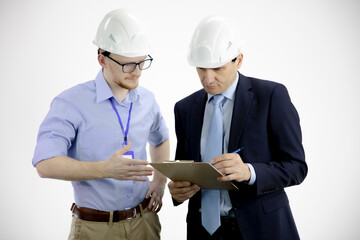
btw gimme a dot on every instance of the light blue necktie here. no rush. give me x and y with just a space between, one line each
210 199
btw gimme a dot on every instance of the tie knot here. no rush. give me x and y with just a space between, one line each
216 99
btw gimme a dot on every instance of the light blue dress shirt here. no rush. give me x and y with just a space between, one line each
229 94
82 124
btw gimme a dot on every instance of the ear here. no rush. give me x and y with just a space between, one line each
101 60
239 60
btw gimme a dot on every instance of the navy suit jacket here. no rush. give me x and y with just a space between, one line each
266 124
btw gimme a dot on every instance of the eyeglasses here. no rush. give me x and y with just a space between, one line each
130 67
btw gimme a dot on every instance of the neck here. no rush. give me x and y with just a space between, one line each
119 92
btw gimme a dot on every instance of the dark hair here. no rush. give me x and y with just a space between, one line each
103 52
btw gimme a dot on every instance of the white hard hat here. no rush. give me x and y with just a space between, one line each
120 32
214 43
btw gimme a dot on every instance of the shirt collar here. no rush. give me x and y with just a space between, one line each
230 92
103 91
133 96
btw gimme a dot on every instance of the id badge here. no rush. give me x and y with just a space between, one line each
129 154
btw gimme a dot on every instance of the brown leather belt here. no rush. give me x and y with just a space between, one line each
89 214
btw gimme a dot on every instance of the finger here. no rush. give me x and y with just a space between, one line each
232 170
180 198
154 203
227 178
158 205
134 178
182 184
140 174
171 185
225 157
124 149
137 174
181 190
148 194
218 158
151 204
185 192
227 166
137 161
218 166
223 170
185 196
138 170
158 208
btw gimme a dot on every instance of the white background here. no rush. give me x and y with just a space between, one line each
310 46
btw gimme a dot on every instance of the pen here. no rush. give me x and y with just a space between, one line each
238 150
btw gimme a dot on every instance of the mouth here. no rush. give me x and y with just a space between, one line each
210 86
133 78
212 89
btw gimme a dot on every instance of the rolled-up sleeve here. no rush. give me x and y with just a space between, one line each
57 131
159 132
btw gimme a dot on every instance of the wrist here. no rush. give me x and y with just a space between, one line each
101 170
246 176
159 178
248 173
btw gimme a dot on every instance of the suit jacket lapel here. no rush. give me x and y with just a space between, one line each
243 98
196 122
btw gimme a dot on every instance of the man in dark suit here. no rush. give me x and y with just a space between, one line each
258 116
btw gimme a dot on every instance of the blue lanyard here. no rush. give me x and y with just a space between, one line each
128 122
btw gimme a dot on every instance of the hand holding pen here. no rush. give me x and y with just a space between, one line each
232 167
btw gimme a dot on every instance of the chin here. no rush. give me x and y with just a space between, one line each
212 91
129 86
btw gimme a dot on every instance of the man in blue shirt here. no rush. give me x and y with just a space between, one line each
95 135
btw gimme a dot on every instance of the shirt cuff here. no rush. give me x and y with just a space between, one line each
252 174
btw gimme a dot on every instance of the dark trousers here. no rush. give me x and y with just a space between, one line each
227 231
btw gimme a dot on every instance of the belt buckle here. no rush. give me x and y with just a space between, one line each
133 211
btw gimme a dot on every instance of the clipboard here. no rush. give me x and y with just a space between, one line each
201 173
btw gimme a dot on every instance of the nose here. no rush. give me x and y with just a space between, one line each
209 76
137 70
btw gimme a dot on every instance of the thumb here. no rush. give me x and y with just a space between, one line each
125 149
